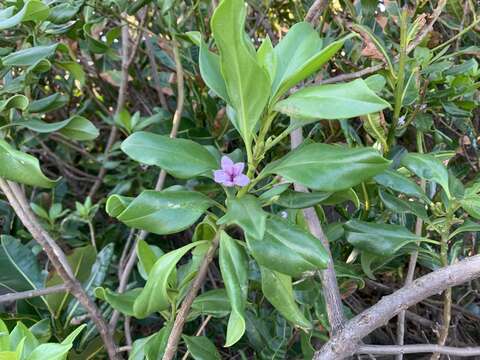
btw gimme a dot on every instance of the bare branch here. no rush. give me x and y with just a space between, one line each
346 341
317 7
32 293
417 349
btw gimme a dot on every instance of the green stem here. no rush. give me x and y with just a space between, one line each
400 77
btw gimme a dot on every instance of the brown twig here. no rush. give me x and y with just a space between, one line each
314 11
20 205
182 314
32 293
154 72
346 341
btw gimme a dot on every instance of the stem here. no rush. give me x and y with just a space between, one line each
181 317
32 293
413 259
400 77
418 349
447 298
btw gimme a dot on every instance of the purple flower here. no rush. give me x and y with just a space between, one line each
231 174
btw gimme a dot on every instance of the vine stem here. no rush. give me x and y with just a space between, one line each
19 203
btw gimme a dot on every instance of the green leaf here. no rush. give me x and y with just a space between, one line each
116 204
247 83
396 181
328 167
287 248
300 200
471 204
76 127
22 333
48 103
247 213
21 167
31 11
75 69
278 290
147 256
201 348
20 269
158 293
18 101
267 57
234 267
179 157
161 212
152 347
427 167
4 337
31 56
213 302
467 226
209 64
300 54
402 206
351 99
378 239
121 302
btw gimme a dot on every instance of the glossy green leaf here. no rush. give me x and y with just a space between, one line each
53 351
158 293
179 157
396 181
147 256
213 302
31 56
22 333
48 103
247 83
471 204
201 348
151 347
247 213
467 226
18 101
278 290
161 212
20 268
351 99
4 336
300 200
300 54
427 167
328 167
75 69
234 268
209 64
287 248
75 128
378 239
116 204
403 206
33 10
267 58
121 302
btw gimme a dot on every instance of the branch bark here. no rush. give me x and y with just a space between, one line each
32 293
346 341
181 317
19 203
417 349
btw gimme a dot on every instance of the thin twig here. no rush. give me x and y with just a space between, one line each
154 72
315 10
199 331
182 314
32 293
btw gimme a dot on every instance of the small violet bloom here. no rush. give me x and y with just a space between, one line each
231 174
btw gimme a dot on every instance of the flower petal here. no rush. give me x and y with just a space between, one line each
227 164
221 176
241 180
238 168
